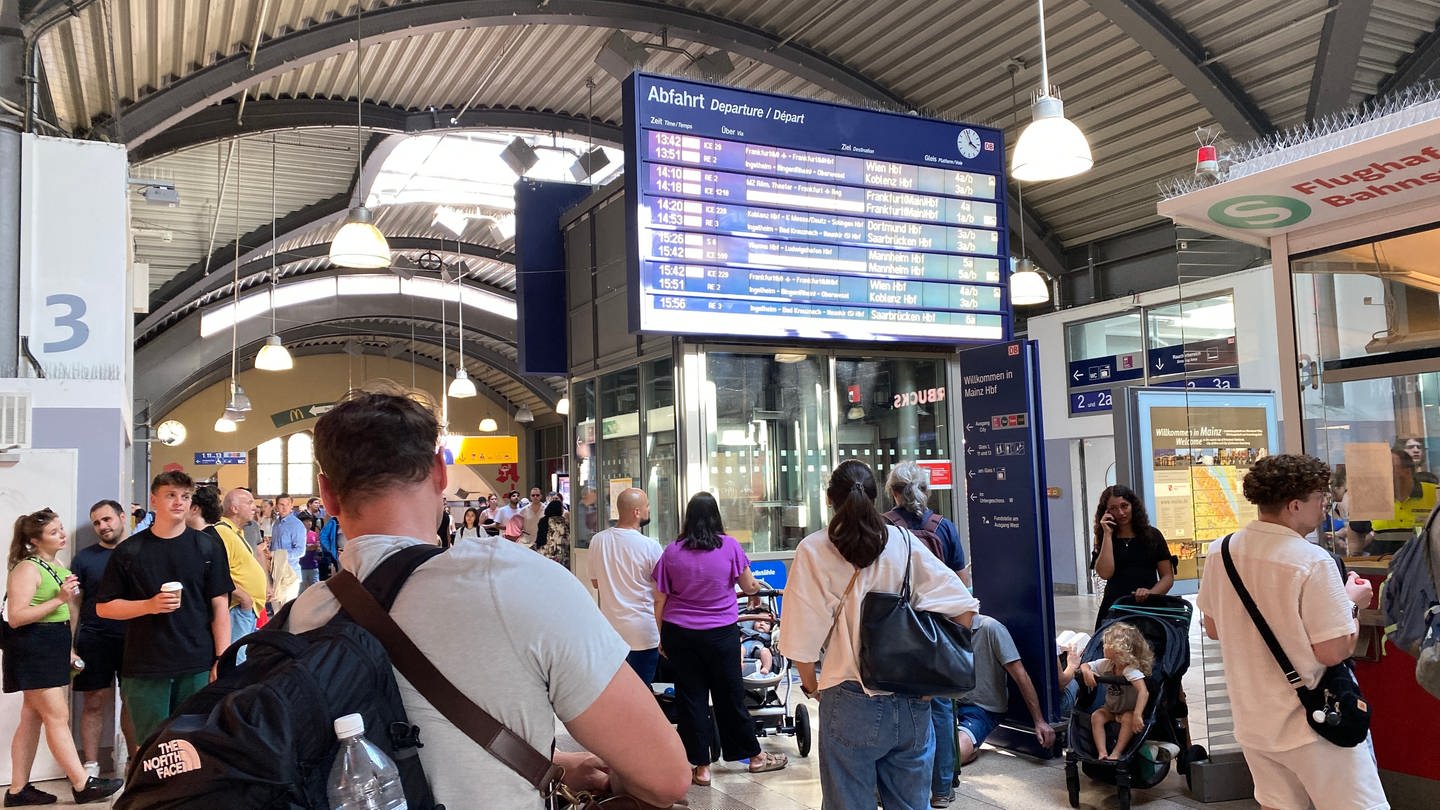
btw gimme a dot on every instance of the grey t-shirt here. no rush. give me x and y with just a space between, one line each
516 633
994 648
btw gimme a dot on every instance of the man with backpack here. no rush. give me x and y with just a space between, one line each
517 635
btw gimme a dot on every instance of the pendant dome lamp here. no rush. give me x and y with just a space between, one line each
1028 284
238 404
359 243
1051 147
273 355
462 387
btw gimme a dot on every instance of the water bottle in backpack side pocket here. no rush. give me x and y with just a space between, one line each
362 777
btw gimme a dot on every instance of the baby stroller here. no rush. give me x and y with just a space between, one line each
767 689
1165 623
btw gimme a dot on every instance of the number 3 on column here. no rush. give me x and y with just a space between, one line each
74 311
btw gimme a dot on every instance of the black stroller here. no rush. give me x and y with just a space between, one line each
767 695
1165 623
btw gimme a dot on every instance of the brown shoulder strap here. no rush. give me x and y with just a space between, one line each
492 735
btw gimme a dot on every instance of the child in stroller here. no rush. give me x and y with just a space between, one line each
1140 757
1127 662
757 653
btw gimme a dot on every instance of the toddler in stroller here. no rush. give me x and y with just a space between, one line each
757 653
1152 733
1127 662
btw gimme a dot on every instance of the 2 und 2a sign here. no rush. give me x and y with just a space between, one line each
1088 402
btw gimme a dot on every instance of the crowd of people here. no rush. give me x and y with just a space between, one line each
157 608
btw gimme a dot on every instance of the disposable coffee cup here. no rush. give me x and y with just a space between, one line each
173 587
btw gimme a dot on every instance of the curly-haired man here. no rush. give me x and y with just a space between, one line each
1297 588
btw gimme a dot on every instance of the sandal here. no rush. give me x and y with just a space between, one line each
696 780
765 761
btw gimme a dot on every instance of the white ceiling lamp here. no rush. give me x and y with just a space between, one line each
225 425
488 425
1028 285
359 243
524 415
563 406
238 404
461 387
1051 147
273 355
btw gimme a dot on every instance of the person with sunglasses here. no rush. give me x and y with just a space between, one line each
37 660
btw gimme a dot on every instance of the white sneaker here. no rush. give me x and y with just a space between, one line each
92 770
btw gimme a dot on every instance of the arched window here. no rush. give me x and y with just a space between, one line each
285 464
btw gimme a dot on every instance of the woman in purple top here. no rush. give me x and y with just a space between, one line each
697 610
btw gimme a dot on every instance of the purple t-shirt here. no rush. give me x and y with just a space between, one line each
699 586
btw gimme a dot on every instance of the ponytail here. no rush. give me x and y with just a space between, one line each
857 530
27 528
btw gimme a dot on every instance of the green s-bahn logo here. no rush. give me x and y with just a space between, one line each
1259 212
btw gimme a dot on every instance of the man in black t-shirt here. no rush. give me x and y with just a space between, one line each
100 643
172 639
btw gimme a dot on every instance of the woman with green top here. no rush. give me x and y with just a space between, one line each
38 658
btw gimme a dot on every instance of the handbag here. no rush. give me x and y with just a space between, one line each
492 735
909 651
1334 708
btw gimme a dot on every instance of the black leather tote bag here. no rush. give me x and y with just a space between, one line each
909 651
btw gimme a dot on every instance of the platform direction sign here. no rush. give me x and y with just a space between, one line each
1106 370
1197 356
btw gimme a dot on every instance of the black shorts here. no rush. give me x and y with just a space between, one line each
37 656
103 654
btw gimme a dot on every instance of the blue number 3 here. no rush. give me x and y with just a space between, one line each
75 310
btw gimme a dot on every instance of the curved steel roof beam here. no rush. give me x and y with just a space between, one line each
152 115
271 115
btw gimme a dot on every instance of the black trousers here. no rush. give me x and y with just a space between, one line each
706 664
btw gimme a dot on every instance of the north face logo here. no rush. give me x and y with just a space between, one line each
175 757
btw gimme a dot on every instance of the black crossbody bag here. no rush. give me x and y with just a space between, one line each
1335 708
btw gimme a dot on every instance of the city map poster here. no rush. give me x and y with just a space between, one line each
1199 456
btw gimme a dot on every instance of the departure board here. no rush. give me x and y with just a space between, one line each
758 215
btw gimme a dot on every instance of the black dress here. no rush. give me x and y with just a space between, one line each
1136 560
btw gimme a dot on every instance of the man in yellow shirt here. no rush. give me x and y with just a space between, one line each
248 598
1413 501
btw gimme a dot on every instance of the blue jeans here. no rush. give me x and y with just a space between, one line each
942 718
869 744
242 623
644 663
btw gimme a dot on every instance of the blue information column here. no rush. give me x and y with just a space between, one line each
1009 544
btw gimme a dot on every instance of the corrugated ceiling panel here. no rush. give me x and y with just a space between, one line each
1395 28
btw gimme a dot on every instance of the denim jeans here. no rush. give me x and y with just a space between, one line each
644 663
942 718
242 623
876 744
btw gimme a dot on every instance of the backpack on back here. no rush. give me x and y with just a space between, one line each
929 533
1408 592
262 736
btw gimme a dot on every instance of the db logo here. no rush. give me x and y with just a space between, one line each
1259 212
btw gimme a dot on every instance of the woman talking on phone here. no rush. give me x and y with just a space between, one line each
1130 554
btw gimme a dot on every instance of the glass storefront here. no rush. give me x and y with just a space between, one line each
900 413
586 512
1369 330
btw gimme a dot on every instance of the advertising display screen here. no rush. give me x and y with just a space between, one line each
759 215
1194 451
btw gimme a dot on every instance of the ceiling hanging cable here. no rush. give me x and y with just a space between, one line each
273 355
238 404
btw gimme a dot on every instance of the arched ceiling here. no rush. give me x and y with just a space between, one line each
179 81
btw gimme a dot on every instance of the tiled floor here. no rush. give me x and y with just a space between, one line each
997 779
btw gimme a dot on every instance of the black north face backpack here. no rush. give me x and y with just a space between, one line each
262 735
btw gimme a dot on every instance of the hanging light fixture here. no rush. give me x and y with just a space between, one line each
238 404
359 243
1028 285
563 406
524 415
273 355
488 425
1051 147
461 387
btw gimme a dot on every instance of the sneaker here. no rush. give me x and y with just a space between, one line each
92 769
28 796
97 789
942 801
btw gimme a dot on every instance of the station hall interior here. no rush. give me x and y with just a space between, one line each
216 218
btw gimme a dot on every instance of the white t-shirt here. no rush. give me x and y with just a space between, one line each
1101 666
817 581
532 523
516 633
622 562
1297 588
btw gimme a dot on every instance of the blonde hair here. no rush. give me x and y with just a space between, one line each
1130 646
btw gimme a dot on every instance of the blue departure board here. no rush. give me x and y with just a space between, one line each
758 215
